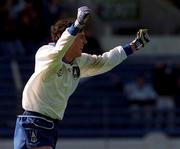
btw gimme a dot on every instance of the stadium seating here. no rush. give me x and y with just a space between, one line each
8 97
92 110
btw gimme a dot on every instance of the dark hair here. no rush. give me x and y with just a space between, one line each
59 27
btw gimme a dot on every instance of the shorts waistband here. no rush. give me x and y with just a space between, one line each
40 115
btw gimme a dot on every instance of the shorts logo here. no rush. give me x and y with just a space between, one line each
33 137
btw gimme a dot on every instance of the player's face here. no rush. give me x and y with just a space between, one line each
79 43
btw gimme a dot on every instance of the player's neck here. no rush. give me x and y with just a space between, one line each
68 60
69 57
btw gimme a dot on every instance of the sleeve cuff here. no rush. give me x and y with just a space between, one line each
128 50
73 30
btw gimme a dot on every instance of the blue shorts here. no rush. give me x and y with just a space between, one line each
35 130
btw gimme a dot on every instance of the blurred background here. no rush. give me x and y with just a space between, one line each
136 105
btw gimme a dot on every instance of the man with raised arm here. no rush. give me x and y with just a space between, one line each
58 69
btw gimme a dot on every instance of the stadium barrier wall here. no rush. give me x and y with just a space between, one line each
159 45
152 141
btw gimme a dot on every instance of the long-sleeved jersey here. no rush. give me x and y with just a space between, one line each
53 80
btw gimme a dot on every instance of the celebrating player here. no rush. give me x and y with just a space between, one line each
58 69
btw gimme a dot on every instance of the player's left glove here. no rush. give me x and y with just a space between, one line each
141 39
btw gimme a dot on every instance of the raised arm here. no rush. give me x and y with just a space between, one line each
66 40
91 65
64 33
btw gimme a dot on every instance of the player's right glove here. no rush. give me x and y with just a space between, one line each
141 39
83 16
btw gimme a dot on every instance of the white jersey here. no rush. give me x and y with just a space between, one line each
53 80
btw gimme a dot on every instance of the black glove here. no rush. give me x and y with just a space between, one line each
141 39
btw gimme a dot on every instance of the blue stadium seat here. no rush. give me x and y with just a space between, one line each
8 97
94 110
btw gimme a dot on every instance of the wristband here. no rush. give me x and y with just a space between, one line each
128 50
73 30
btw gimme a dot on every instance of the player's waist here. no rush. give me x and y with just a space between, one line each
36 114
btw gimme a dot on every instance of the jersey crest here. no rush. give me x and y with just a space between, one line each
76 72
